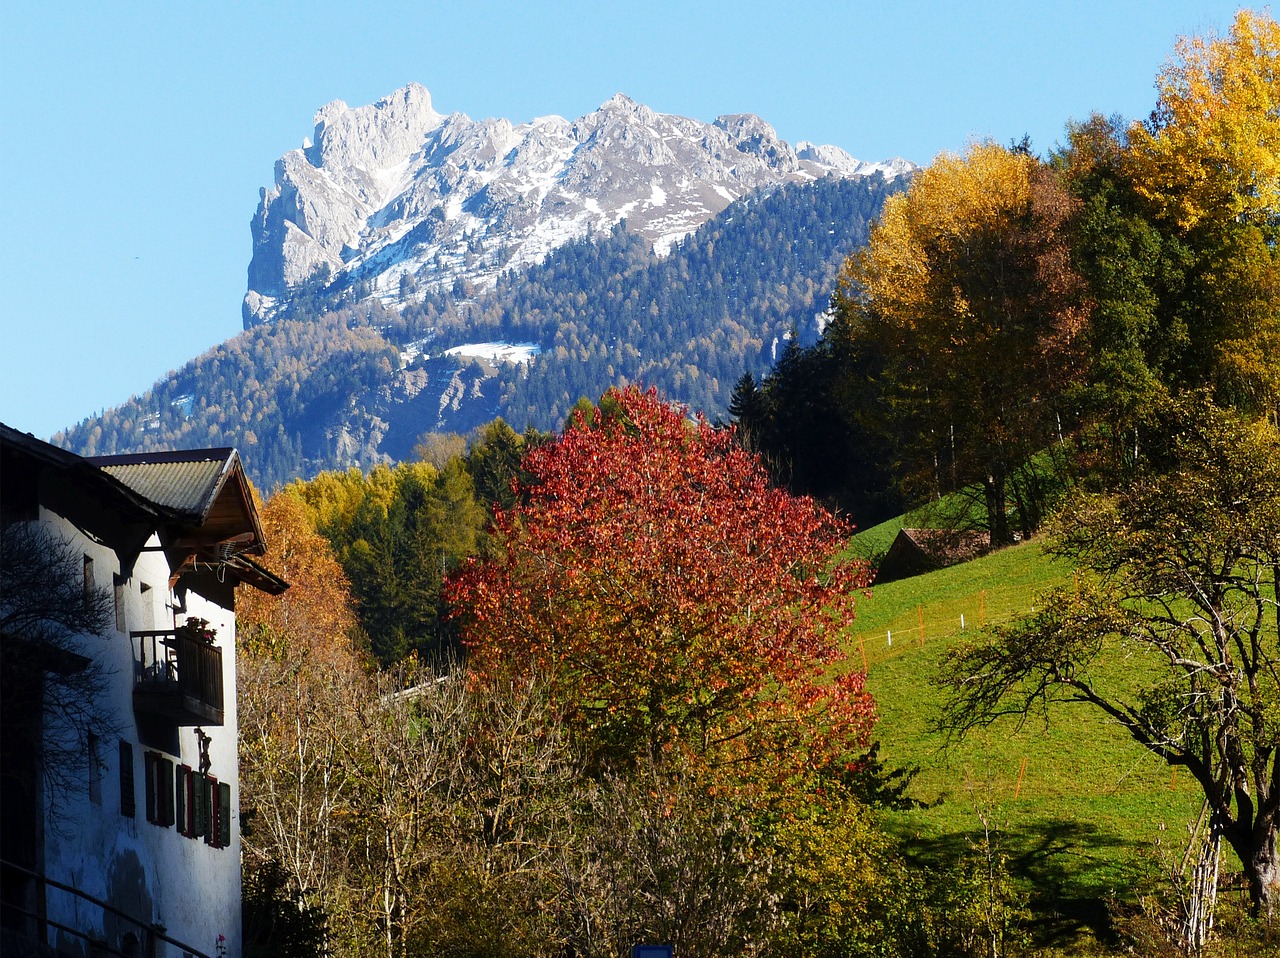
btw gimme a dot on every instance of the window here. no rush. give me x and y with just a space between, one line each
219 834
126 779
202 807
182 805
194 803
88 579
160 789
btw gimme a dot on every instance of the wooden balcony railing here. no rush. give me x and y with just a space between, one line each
177 677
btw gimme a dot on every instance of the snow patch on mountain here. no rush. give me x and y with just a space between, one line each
494 353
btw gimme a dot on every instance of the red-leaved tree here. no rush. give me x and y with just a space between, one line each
671 595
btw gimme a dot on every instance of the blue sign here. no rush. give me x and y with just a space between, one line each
650 951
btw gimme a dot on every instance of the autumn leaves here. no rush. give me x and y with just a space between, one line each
674 598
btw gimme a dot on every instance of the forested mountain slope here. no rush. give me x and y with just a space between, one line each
334 384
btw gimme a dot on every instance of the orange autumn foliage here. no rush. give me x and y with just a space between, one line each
967 297
314 617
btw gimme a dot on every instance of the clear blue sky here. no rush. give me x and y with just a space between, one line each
135 136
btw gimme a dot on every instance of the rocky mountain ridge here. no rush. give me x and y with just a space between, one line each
395 199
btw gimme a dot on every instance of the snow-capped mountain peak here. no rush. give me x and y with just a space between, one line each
402 197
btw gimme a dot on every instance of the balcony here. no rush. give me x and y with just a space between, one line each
177 677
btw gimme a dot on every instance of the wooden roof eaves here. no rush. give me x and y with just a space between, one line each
82 470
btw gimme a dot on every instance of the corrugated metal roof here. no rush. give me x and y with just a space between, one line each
184 485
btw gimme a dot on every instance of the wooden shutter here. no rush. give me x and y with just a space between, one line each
209 784
215 812
201 806
164 784
160 790
224 815
209 826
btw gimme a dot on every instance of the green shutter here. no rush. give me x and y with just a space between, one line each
194 795
149 784
224 815
210 788
203 807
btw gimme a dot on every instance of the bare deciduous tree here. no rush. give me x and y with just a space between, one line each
54 685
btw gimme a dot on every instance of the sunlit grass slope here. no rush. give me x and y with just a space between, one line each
1078 806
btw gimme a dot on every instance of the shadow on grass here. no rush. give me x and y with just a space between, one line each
1071 868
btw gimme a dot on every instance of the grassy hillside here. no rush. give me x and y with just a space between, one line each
1077 807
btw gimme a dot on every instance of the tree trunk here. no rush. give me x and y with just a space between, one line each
1262 871
993 487
1255 845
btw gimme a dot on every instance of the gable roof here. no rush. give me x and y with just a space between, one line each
185 481
199 501
206 487
949 546
915 551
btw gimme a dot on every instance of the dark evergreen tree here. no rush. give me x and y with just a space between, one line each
397 533
816 435
749 410
493 460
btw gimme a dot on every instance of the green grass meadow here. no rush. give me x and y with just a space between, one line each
1077 807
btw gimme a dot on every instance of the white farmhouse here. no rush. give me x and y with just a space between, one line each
119 797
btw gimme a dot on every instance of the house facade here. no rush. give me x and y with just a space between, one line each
119 794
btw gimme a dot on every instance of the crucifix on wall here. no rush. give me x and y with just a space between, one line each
202 743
